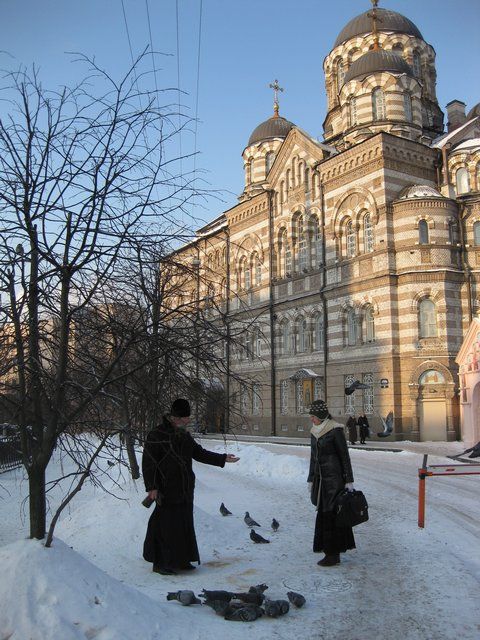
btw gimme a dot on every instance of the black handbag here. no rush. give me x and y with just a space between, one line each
351 508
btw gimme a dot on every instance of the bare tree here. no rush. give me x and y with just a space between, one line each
82 173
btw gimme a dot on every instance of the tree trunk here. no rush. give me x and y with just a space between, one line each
37 502
132 458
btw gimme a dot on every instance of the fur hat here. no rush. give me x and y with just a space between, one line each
180 408
319 409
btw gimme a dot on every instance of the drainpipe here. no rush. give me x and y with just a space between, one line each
466 266
273 410
227 326
322 289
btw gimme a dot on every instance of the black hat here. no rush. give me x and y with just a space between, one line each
180 408
319 409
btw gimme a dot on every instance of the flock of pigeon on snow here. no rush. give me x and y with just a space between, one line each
242 607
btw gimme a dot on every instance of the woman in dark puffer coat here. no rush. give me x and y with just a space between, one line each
330 473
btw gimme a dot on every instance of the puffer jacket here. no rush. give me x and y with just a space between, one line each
330 468
167 462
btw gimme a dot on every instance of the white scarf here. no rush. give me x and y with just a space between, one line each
319 430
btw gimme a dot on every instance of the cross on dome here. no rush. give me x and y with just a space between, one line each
276 88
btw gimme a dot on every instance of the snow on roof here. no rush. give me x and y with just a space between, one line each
442 140
468 144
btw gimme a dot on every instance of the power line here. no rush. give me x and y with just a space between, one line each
178 91
197 91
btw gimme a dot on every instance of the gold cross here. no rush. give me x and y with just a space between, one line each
276 88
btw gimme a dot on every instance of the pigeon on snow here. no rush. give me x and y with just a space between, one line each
184 597
275 608
245 613
296 599
258 588
250 522
217 595
219 606
250 598
224 511
387 425
275 525
257 538
356 384
473 451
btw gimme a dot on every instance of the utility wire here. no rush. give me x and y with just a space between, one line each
197 91
178 90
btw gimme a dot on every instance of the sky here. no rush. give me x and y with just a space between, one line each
400 583
225 73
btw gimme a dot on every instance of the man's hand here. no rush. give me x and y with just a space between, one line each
153 494
231 458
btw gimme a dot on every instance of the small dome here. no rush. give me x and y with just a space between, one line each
387 21
473 113
420 191
378 60
274 127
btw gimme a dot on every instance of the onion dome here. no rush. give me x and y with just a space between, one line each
473 113
420 191
378 60
274 127
387 21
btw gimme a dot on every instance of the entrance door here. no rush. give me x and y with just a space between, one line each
433 420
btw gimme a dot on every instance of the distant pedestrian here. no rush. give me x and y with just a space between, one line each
352 429
364 427
170 542
330 473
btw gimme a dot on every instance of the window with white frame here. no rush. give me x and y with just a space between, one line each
461 181
453 232
368 394
257 347
351 327
288 259
299 396
369 324
367 233
428 319
378 104
352 112
244 400
284 397
349 400
319 338
340 75
302 335
350 239
256 400
318 389
257 270
302 244
416 64
407 107
269 158
476 233
423 237
286 337
317 242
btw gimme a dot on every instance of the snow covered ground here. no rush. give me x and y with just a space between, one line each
400 583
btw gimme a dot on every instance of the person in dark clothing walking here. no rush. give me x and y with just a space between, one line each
352 429
329 474
364 427
169 449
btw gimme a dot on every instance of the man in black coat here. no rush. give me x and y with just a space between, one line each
169 479
364 427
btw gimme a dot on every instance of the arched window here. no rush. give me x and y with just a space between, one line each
416 65
378 104
249 176
431 377
351 327
319 332
317 243
340 75
286 337
247 276
285 255
367 233
269 158
257 270
350 239
288 181
423 232
369 324
453 232
302 244
427 319
302 336
477 177
407 106
398 48
476 234
352 112
461 180
307 179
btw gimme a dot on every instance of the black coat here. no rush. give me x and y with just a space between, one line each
364 426
330 467
167 462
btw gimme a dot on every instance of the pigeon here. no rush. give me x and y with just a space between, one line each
387 425
219 606
217 595
257 538
224 511
250 522
275 525
258 588
110 463
473 451
246 613
184 597
250 598
275 608
356 384
296 599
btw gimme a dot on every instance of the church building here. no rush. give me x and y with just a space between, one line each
355 258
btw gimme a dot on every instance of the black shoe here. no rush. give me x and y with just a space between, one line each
164 571
329 560
188 567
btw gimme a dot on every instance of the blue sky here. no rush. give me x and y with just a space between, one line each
244 46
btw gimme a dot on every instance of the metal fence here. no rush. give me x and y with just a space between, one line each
10 452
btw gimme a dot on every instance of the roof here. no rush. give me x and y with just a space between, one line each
420 191
442 140
468 145
475 111
378 60
274 127
387 21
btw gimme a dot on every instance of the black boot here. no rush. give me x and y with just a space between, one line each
164 571
329 560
